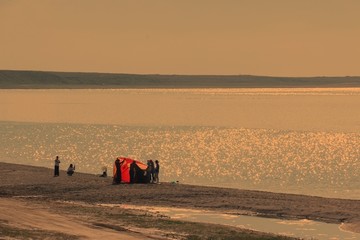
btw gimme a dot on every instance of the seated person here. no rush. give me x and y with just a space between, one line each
71 170
104 174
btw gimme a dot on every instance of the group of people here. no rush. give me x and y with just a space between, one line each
135 172
137 175
70 171
153 170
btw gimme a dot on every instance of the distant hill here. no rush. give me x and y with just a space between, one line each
37 79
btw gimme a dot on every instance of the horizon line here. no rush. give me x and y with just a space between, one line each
177 74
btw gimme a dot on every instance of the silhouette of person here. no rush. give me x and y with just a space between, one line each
149 170
157 170
104 174
56 167
71 170
117 177
133 171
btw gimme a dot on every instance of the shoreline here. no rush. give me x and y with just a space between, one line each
33 183
37 184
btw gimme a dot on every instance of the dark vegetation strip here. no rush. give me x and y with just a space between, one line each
63 80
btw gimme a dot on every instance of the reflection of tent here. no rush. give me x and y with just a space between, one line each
132 171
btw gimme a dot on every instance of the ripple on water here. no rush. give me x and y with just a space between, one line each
315 163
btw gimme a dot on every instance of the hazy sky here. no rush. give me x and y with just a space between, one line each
258 37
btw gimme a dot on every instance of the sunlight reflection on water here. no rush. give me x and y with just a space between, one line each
315 163
283 140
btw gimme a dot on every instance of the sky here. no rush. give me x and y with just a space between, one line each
222 37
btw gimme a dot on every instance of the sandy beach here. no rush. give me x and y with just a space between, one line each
250 111
70 205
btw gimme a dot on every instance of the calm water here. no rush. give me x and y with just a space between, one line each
304 229
283 140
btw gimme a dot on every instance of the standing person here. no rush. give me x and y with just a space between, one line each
57 164
71 170
117 175
148 171
133 176
157 170
152 171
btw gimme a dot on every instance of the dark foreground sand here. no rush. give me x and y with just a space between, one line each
33 190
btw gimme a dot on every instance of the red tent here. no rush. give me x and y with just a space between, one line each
125 169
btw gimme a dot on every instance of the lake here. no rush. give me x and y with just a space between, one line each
303 141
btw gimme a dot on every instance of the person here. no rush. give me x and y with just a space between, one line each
71 170
57 166
104 174
133 170
152 171
117 176
157 170
149 171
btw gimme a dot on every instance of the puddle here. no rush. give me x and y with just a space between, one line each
305 229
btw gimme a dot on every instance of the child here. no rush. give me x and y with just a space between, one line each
71 170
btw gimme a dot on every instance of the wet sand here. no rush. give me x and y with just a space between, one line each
36 185
36 216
